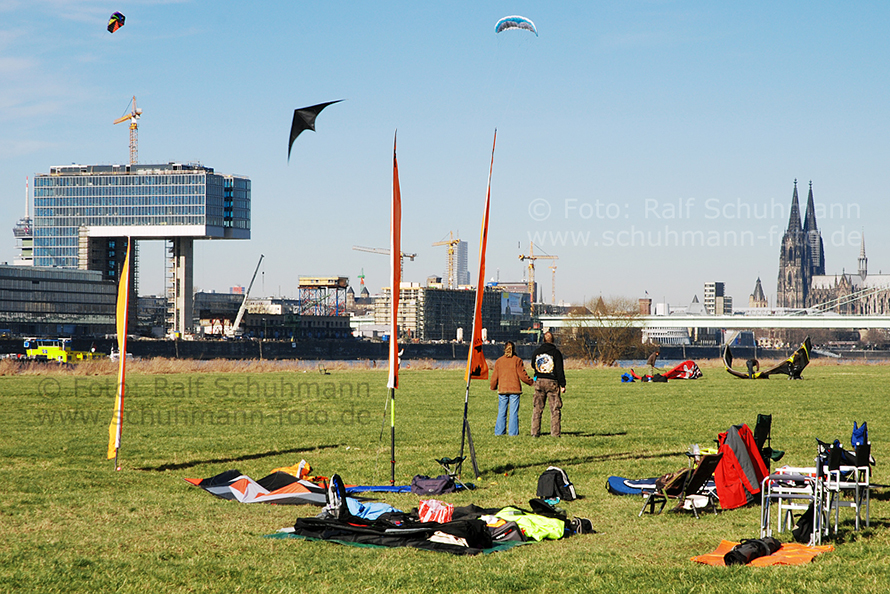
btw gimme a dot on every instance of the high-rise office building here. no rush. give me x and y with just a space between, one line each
463 272
84 213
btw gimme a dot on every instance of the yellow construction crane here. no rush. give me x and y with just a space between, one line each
385 252
133 118
531 257
451 269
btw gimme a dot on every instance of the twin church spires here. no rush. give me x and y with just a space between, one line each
801 257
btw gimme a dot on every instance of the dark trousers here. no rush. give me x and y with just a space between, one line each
547 389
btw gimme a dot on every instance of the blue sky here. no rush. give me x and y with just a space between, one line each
651 145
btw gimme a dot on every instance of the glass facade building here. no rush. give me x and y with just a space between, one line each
139 201
53 302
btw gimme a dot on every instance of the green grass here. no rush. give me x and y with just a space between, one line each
69 522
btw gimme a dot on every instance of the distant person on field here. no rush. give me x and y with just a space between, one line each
753 367
651 361
507 378
550 384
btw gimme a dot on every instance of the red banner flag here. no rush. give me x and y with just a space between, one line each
477 366
395 275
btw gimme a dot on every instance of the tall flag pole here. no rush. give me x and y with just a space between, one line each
477 366
116 427
395 281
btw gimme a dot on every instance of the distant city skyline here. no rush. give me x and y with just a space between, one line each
652 147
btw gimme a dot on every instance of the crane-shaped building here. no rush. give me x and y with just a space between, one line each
531 257
133 118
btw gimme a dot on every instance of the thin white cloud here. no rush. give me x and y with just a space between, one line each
10 149
10 65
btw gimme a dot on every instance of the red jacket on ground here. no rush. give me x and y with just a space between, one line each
741 470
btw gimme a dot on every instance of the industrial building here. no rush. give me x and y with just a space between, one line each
427 313
38 301
84 213
270 317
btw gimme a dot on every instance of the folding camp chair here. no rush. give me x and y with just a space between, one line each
792 489
763 440
452 468
853 480
694 484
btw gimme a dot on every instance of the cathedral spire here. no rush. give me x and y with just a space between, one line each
794 261
794 219
810 218
815 251
757 298
863 261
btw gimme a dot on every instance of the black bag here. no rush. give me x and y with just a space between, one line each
748 550
424 485
507 532
542 508
553 483
581 526
803 531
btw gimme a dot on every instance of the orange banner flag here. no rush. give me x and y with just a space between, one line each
477 366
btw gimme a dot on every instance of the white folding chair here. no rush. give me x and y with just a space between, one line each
789 490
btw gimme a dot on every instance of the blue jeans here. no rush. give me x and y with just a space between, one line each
501 425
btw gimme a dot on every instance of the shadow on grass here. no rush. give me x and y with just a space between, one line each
181 465
586 460
847 531
582 434
881 495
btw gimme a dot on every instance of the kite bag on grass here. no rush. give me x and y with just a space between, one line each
554 483
424 485
748 550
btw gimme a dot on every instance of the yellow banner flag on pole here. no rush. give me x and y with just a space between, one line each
115 428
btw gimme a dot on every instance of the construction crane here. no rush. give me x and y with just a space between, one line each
451 268
385 252
133 118
238 318
531 257
553 285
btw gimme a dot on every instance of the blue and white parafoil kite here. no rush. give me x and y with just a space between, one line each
515 22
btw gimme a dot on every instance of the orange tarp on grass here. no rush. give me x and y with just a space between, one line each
789 554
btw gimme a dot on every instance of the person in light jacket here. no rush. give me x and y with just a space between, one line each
507 378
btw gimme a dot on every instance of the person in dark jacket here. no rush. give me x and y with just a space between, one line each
550 384
507 378
651 361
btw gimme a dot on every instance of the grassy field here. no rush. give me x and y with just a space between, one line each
69 522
